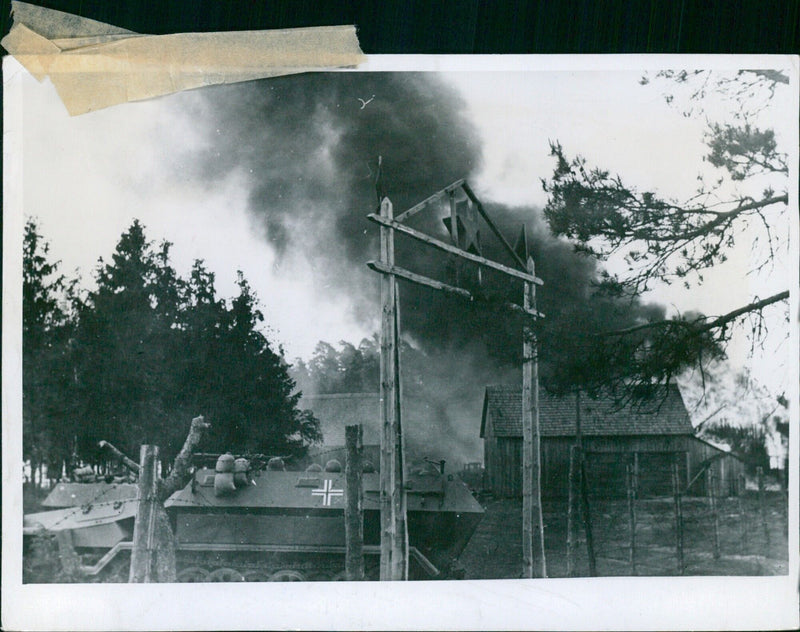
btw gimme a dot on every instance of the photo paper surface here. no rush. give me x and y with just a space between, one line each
568 283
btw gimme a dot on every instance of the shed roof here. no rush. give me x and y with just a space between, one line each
599 417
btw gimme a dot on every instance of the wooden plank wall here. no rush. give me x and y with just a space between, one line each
607 458
505 475
728 470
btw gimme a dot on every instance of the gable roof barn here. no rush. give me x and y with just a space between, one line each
599 417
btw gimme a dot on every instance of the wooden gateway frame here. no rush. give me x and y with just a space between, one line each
394 530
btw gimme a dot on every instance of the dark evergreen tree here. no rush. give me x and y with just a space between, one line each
153 349
47 429
253 407
126 346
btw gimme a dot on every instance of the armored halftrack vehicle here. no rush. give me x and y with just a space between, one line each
264 524
289 526
92 522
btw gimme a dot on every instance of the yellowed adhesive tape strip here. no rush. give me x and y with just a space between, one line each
93 65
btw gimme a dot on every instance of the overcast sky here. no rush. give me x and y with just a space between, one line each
87 177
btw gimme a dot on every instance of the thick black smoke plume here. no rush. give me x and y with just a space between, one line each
311 148
310 145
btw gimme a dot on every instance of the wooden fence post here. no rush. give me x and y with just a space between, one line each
572 483
354 505
712 499
743 524
762 507
676 491
631 484
144 528
587 514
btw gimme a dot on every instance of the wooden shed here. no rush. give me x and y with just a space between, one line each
650 437
728 470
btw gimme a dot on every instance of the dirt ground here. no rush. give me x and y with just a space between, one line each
749 544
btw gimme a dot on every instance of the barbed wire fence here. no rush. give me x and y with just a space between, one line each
701 526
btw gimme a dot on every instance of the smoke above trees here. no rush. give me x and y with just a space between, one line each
306 148
310 146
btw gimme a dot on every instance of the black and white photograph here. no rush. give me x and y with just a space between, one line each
438 321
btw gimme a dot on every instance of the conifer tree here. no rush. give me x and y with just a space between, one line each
45 347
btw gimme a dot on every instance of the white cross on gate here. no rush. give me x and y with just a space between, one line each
327 492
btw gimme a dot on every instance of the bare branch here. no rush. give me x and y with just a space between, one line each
132 465
180 466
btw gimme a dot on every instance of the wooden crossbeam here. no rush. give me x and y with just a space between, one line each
431 241
378 266
471 195
419 279
418 207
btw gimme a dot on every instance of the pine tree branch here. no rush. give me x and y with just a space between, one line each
696 326
720 218
757 306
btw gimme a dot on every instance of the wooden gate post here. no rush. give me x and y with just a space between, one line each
532 517
394 550
144 528
354 505
394 530
676 491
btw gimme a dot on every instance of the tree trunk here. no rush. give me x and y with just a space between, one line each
762 508
164 562
153 554
712 499
180 466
